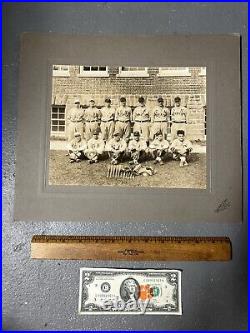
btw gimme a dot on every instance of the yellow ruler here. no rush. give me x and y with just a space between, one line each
136 248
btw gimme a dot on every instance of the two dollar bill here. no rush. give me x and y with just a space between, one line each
122 291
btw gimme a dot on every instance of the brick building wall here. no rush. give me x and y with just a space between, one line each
191 89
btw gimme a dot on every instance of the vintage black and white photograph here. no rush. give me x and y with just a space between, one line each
128 126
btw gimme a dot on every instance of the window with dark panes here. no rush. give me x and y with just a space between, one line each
58 118
95 68
126 71
133 68
61 70
94 71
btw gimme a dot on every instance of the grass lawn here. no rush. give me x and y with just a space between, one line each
169 175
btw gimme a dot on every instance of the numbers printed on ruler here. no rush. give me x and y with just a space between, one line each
132 247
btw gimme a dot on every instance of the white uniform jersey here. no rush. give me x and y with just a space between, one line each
75 145
116 146
92 114
75 114
179 114
158 145
141 114
137 145
96 145
123 113
178 145
107 114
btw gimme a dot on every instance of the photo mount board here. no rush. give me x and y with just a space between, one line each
221 202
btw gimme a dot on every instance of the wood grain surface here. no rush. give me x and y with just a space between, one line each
131 248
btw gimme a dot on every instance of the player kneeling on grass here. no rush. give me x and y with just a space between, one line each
95 148
137 148
158 148
116 148
181 148
76 148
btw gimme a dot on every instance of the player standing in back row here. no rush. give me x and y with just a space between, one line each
92 117
75 120
178 118
107 120
141 119
159 119
123 120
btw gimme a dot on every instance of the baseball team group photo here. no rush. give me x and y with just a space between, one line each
128 126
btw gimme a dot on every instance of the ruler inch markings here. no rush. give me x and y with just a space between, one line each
135 248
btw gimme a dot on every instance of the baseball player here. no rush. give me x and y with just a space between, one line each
181 148
116 148
75 120
178 118
92 117
107 120
141 119
158 148
123 118
137 148
159 119
95 148
76 148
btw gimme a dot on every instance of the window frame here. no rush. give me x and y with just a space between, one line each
98 73
58 133
136 73
60 72
203 71
174 72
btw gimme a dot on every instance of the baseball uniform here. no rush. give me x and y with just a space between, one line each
116 149
75 122
123 117
107 122
92 117
159 119
95 148
158 148
181 148
179 120
76 149
141 119
137 149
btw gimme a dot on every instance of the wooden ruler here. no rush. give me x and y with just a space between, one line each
134 248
